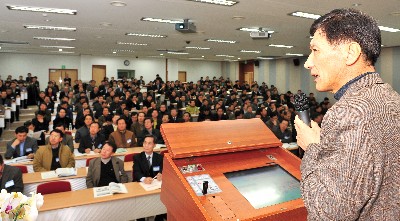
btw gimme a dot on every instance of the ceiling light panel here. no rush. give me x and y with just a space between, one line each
217 2
305 15
290 54
54 39
197 48
280 46
247 51
118 4
131 43
54 28
42 9
123 50
383 28
179 53
146 35
224 55
56 46
221 41
63 52
161 20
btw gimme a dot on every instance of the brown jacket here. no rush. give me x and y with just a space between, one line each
44 156
117 138
94 172
353 173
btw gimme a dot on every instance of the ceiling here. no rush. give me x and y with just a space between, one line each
212 22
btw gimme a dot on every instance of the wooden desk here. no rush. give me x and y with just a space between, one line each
81 205
78 182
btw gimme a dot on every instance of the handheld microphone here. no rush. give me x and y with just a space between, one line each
302 108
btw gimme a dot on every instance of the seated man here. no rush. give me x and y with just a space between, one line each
54 155
94 141
106 168
149 130
67 138
148 166
21 145
84 130
122 137
11 179
192 109
282 132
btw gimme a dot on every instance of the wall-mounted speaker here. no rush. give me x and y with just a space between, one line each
296 62
256 63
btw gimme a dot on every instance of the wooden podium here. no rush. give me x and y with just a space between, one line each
232 157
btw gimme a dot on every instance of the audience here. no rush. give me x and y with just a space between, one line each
11 178
21 145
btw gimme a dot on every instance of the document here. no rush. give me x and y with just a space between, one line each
85 154
17 160
152 186
60 172
109 190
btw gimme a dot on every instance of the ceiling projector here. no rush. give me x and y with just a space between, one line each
186 27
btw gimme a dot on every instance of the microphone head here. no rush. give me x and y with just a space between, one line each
301 102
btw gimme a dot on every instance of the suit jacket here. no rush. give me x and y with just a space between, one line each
44 157
177 120
117 139
154 132
86 142
30 146
67 140
12 179
141 166
94 171
81 132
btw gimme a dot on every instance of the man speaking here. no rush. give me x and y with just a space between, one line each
350 169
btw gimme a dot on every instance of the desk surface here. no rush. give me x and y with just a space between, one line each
36 177
84 197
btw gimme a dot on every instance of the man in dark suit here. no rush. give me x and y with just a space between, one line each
22 145
174 117
106 169
147 166
94 141
10 178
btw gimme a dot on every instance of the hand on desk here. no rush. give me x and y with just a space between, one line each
305 134
30 156
148 180
97 150
87 150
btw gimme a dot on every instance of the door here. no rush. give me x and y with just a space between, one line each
98 73
182 76
249 77
59 74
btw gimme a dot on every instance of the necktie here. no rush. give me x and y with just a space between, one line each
148 161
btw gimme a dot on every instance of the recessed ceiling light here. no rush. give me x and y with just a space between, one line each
98 36
256 29
54 28
217 2
395 13
238 17
161 54
42 9
123 50
305 15
130 43
7 51
265 58
60 49
280 46
221 41
174 52
247 51
239 58
202 56
290 54
356 4
14 42
196 58
161 20
146 35
114 52
55 46
106 24
198 48
63 52
54 39
47 20
118 4
224 55
383 28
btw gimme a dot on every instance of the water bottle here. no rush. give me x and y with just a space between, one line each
70 127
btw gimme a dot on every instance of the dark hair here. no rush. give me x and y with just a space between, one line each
60 124
150 135
112 144
63 109
21 129
148 118
344 25
88 116
121 119
28 123
41 113
1 160
57 131
95 123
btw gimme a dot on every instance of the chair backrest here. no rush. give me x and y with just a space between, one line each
53 187
23 168
129 157
88 161
163 152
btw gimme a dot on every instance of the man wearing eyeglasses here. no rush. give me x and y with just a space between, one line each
54 155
